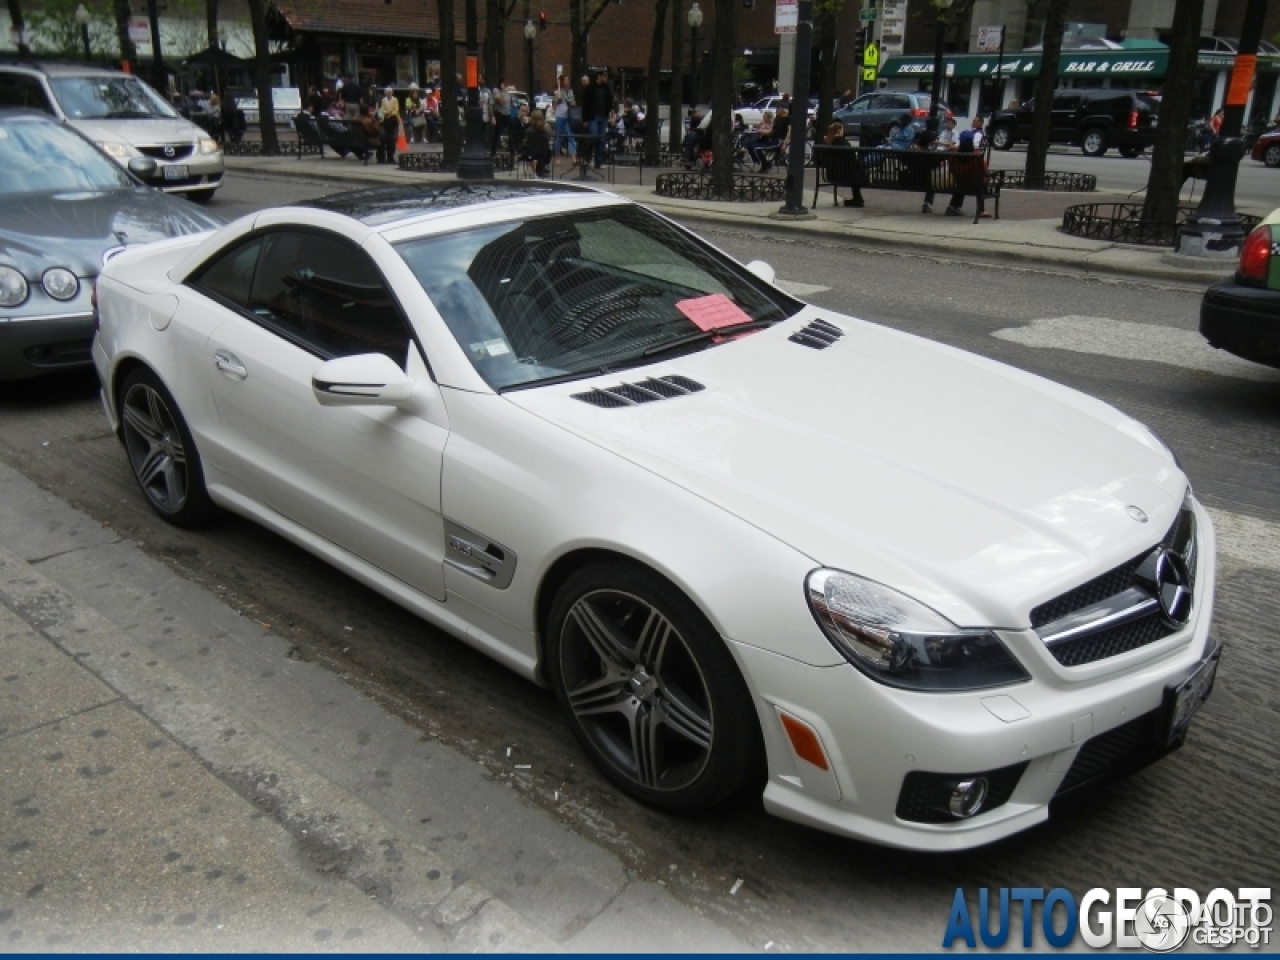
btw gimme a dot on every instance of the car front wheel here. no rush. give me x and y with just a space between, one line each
1271 156
650 689
161 452
1002 137
1094 142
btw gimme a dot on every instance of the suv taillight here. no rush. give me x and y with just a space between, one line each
1133 119
1255 255
917 112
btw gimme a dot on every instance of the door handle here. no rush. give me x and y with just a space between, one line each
230 364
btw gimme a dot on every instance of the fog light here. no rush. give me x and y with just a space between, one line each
967 798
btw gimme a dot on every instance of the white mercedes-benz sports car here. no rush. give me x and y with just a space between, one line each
919 595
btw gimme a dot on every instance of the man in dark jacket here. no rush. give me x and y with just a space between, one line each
599 102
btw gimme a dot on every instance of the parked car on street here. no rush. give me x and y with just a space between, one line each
1266 149
1093 120
1242 314
888 110
124 116
919 596
63 206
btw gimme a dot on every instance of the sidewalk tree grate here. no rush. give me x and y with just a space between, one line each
747 187
1052 181
1123 223
288 148
433 162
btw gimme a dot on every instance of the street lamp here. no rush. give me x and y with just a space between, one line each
695 21
82 21
935 101
530 31
475 162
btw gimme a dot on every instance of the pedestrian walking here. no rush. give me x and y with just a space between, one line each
562 103
501 112
600 101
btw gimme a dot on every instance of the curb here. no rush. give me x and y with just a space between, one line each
1092 263
339 832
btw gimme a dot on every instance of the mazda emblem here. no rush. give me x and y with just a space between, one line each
169 152
1173 587
1136 512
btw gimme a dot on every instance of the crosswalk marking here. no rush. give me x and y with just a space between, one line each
1126 340
1247 539
798 289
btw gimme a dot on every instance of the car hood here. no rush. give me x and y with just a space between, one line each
149 131
975 487
73 229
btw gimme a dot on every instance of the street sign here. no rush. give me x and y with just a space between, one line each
871 55
786 16
867 14
868 74
140 30
989 39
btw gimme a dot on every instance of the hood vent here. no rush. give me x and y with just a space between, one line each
818 335
646 391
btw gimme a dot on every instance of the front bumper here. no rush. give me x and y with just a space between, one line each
875 735
202 172
47 342
1242 320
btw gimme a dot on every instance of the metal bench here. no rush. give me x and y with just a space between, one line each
309 133
345 137
907 171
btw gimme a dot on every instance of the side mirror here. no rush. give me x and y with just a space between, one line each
762 270
365 380
144 168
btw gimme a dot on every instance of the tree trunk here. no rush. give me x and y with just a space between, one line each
675 123
723 48
495 40
1164 183
211 22
652 133
262 76
450 128
15 18
577 45
825 16
1038 146
128 52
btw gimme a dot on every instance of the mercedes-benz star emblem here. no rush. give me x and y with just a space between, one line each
169 152
1136 512
1173 587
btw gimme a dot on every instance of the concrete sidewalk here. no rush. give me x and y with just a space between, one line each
888 220
173 779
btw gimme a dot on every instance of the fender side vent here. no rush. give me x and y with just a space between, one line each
646 391
818 335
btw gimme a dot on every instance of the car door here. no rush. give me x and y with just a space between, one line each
364 478
19 90
854 115
1064 119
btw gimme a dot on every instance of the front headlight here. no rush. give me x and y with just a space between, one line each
208 146
114 149
901 642
60 283
13 287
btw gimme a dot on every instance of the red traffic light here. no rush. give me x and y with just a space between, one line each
542 21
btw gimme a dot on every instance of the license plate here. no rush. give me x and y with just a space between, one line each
177 171
1187 696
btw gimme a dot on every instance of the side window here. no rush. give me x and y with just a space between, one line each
17 90
231 274
861 104
326 295
1066 101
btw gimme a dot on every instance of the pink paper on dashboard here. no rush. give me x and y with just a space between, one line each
713 312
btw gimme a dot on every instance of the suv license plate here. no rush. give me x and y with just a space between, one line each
1186 698
177 171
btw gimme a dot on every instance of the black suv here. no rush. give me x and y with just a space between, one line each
1094 120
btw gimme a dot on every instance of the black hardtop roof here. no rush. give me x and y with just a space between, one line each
377 206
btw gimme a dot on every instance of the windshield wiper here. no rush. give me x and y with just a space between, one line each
131 115
558 378
708 335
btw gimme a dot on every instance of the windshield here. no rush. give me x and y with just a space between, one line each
581 293
43 157
83 98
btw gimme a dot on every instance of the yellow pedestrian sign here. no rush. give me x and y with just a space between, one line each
869 74
871 55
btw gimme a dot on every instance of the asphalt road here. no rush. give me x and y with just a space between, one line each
1201 818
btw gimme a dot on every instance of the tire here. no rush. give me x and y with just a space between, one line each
1002 137
1094 142
201 196
1130 152
161 452
1271 155
629 655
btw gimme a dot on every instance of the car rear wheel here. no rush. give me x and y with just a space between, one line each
650 689
1002 137
1094 142
1271 156
161 452
1130 152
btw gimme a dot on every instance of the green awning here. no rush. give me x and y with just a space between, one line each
1146 64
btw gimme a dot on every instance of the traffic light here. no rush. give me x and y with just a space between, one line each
542 21
748 4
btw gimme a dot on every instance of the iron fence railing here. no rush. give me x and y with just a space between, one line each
747 188
1123 223
1051 181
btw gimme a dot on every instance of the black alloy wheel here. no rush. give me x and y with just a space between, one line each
161 452
1002 137
1094 142
1271 156
650 689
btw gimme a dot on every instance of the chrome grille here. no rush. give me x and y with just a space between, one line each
180 151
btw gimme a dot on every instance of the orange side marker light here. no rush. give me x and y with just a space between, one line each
804 741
